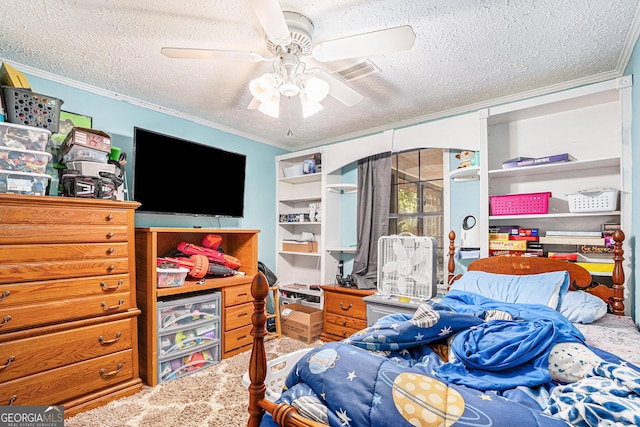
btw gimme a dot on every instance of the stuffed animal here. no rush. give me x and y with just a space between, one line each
465 158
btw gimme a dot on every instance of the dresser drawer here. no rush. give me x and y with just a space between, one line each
237 295
22 357
50 270
17 254
30 293
237 338
65 383
345 305
340 332
13 318
80 233
58 215
237 316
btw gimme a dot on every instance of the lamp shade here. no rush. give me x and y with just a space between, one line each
316 89
263 87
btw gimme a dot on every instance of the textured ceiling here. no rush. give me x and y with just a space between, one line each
467 54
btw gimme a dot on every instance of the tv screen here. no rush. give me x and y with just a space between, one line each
176 176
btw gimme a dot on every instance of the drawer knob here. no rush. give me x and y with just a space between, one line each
111 267
345 334
9 360
344 323
5 295
110 217
105 307
106 374
102 341
110 251
110 234
12 399
5 320
345 308
106 287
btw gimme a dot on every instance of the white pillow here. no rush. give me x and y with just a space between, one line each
543 288
582 307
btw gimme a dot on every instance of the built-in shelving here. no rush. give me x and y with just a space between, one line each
470 173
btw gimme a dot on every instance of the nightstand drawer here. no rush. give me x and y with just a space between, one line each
61 384
345 305
32 355
331 319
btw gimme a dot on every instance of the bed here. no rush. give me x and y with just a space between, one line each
471 359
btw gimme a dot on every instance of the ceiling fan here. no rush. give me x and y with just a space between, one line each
289 37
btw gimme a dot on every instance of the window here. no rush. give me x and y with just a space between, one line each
417 199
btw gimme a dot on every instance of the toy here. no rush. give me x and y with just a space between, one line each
466 158
211 254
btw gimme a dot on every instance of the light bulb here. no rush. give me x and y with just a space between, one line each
316 89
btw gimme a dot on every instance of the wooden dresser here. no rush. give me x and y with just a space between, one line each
68 333
345 312
237 306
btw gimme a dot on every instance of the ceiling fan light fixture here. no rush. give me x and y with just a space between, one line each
315 88
309 107
271 107
263 87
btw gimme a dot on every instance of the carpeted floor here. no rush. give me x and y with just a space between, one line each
213 397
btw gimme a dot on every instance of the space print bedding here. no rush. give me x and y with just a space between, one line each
466 360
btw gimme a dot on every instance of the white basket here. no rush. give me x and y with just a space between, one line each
277 372
594 200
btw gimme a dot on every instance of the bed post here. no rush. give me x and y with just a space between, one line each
451 265
258 361
616 301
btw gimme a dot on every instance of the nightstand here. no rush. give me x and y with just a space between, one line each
344 312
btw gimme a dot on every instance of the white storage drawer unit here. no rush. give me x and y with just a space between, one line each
188 335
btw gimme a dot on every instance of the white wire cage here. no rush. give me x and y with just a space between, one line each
407 266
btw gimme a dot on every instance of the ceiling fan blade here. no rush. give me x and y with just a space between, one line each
366 44
230 55
272 19
338 88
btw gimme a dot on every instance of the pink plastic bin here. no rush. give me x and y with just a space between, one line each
520 204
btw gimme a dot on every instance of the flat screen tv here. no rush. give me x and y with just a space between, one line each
176 176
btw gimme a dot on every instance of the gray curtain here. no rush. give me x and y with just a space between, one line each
374 194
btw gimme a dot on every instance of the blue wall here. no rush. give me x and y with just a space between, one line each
633 68
118 119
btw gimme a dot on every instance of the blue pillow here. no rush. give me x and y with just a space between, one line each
543 288
582 307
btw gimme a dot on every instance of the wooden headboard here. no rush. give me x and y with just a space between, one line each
580 278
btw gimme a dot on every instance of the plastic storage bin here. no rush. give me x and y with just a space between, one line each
34 184
16 159
78 153
171 277
25 107
594 200
24 137
520 204
188 335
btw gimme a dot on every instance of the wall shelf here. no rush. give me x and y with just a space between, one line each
470 173
342 188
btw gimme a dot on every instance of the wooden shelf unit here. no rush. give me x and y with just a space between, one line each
154 242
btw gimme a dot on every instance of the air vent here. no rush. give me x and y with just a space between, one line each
358 70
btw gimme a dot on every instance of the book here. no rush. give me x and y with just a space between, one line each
572 240
512 245
556 158
563 256
510 229
527 231
498 236
574 233
596 249
597 267
528 238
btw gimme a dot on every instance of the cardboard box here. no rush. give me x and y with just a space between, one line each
301 322
9 76
292 246
88 138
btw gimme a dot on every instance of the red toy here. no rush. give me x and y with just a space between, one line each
211 254
212 241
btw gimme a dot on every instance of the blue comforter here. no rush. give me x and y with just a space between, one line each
391 374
